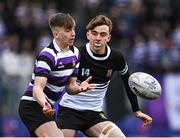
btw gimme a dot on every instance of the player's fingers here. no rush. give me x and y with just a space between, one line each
49 112
88 79
92 86
146 122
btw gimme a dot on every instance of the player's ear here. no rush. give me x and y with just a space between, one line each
87 34
109 38
55 34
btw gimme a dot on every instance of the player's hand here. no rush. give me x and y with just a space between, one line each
144 117
47 109
85 85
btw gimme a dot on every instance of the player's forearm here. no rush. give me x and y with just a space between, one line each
72 88
38 94
131 96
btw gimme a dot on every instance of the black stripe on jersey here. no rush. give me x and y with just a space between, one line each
51 95
56 83
65 66
42 75
51 46
28 93
46 59
72 48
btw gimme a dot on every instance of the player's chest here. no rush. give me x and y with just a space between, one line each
103 69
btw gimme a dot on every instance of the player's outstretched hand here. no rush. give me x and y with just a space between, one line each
144 117
85 85
47 109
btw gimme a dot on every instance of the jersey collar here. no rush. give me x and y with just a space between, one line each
95 57
56 46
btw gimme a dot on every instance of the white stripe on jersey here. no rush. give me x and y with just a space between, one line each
43 64
124 70
32 99
62 73
27 98
55 88
77 65
93 99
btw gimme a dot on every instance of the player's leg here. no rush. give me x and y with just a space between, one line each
36 122
48 129
104 129
68 132
67 121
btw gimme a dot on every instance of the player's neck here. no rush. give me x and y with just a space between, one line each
62 47
99 51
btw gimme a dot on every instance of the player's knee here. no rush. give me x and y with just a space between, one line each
111 130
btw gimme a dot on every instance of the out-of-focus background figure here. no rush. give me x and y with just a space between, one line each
146 31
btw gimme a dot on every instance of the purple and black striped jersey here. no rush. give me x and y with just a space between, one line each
58 66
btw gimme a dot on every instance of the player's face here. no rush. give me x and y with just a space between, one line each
65 37
98 38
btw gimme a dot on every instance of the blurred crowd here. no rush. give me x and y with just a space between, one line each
146 31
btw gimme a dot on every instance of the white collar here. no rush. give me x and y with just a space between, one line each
56 46
95 57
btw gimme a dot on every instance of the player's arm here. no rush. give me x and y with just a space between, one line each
44 63
38 94
134 103
73 88
131 96
123 69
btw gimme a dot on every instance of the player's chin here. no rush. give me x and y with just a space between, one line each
71 43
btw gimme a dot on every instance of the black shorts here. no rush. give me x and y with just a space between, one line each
79 120
32 116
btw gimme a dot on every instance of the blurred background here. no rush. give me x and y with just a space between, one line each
146 31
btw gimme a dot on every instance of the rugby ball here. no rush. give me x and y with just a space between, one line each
144 85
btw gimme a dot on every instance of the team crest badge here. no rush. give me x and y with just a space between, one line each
73 63
109 73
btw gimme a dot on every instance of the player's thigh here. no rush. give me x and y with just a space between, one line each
32 116
68 132
48 129
106 128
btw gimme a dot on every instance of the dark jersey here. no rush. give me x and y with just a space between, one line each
101 68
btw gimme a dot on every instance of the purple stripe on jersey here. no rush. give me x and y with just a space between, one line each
41 70
67 60
59 80
76 71
51 57
51 94
29 88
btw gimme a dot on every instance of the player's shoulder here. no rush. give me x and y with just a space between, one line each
49 49
116 53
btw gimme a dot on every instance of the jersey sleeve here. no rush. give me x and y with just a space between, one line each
122 68
44 64
131 96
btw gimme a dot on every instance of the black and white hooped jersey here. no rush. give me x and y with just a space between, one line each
101 68
58 67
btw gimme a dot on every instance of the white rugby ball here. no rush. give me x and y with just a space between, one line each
144 85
